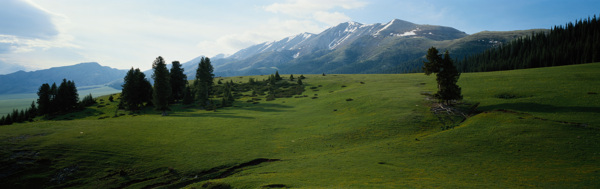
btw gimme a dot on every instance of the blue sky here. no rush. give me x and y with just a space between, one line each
39 34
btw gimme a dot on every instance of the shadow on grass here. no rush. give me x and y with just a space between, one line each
267 107
222 112
210 114
77 114
535 107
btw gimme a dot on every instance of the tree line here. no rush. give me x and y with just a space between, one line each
52 100
573 43
171 86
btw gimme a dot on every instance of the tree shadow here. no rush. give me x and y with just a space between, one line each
210 114
535 107
193 111
264 107
76 114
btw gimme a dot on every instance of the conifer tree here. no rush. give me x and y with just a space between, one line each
228 96
136 91
162 86
178 81
53 104
44 99
32 110
204 81
8 120
291 77
277 76
188 96
446 75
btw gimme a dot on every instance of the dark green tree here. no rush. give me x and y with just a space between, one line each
188 96
228 98
162 85
32 110
446 75
299 81
8 120
67 97
277 76
44 99
178 81
291 77
136 91
204 82
53 103
87 100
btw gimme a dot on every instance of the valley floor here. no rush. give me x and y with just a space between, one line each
537 128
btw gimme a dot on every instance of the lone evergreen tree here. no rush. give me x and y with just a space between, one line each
204 81
162 85
178 81
446 75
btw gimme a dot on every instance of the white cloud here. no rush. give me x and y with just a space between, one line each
331 18
317 10
273 29
295 7
22 19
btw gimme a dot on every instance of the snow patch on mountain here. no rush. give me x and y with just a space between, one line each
384 28
408 33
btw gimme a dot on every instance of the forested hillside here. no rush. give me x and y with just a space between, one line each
574 43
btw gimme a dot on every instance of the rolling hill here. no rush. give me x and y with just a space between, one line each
349 131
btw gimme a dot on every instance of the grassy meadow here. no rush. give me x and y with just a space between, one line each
538 128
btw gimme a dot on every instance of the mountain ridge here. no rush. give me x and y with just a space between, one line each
83 74
352 47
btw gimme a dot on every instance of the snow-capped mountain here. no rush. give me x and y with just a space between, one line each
351 47
346 33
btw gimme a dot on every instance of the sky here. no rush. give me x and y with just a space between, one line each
40 34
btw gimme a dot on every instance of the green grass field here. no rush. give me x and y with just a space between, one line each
538 128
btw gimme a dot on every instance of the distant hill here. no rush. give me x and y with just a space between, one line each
6 68
83 74
395 47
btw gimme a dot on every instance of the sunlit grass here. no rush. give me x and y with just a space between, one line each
385 137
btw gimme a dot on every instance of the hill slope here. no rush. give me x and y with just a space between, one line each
351 131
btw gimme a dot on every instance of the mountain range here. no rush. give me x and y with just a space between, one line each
83 74
348 48
354 48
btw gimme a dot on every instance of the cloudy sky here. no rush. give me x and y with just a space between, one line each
39 34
